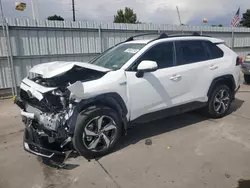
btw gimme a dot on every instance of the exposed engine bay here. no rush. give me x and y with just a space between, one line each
75 74
46 115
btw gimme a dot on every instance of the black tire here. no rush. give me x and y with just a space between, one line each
211 107
247 78
82 121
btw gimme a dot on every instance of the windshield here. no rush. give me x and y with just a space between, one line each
116 57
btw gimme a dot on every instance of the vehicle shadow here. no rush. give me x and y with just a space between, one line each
143 131
243 183
244 83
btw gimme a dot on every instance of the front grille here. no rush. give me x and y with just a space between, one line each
49 103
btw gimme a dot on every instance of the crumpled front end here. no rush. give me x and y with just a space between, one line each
45 116
47 105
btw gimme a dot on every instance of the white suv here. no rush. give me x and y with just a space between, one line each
86 107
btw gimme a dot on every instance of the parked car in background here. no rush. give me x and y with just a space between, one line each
86 107
246 68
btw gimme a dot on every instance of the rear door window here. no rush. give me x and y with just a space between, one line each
190 51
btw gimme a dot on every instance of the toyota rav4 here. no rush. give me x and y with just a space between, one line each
87 107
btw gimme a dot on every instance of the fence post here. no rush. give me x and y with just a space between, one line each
232 45
13 75
7 55
100 37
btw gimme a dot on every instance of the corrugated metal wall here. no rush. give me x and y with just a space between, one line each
38 41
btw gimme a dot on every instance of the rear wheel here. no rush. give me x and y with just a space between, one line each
98 130
247 78
219 102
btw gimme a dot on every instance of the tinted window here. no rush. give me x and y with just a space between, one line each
190 52
214 51
162 54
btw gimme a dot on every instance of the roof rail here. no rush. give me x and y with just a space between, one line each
163 35
140 35
196 34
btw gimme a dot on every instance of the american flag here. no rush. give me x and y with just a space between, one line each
236 18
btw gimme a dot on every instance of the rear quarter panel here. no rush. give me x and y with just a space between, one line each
227 65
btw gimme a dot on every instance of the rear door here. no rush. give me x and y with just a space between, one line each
196 67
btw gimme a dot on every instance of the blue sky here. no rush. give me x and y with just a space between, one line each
151 11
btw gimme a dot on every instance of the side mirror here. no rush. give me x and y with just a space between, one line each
146 66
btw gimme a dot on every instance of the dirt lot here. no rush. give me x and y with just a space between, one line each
187 151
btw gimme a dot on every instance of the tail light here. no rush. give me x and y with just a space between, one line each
239 60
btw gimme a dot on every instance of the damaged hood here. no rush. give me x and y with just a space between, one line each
51 69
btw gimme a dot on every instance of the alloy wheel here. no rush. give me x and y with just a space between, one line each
221 101
99 133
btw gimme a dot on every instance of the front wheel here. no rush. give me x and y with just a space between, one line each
247 78
219 101
98 130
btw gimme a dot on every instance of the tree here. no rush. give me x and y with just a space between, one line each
127 16
55 17
245 20
219 25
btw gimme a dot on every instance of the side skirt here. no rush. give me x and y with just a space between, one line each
169 112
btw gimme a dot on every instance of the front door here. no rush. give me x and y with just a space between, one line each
155 90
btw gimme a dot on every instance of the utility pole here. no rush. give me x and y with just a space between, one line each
178 14
73 9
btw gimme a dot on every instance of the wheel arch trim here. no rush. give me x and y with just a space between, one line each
222 79
113 100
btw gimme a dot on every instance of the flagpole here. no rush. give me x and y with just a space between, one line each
232 38
234 24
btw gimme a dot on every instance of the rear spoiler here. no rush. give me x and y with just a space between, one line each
217 43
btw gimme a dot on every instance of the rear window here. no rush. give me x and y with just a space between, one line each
213 50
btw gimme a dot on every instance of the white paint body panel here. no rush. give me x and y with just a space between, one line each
36 86
51 69
161 89
145 65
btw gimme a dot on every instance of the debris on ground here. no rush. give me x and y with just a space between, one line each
148 142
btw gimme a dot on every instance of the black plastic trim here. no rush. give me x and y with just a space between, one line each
224 78
37 148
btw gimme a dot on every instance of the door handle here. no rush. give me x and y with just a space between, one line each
175 78
213 67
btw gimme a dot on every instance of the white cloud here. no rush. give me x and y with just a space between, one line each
155 11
